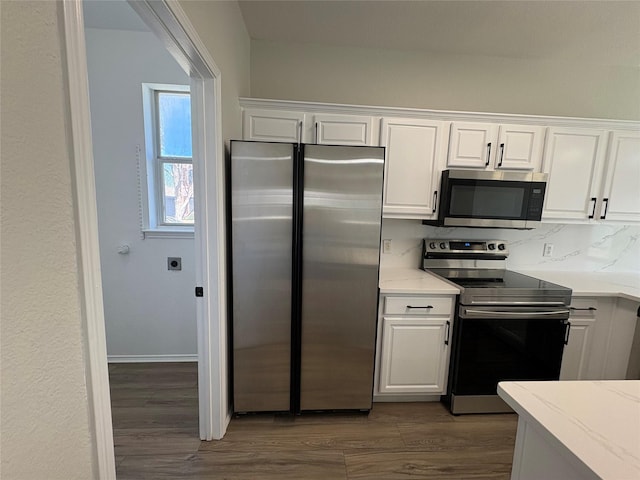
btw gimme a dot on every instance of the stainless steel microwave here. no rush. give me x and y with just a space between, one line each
490 199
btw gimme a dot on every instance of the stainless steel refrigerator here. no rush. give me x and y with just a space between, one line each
305 225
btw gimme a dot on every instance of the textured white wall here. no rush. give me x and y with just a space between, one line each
445 82
223 32
148 309
586 248
46 432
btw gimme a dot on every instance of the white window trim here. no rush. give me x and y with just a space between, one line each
148 175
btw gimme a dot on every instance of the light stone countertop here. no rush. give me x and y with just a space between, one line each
414 280
593 284
583 284
597 422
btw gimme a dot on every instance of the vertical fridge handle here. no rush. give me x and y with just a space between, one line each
566 333
299 128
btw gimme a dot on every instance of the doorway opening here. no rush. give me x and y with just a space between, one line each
170 24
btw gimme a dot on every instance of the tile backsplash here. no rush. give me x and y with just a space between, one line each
606 248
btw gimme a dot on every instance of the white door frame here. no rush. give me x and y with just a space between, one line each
169 22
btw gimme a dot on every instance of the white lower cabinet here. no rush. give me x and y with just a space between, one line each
414 335
413 355
578 349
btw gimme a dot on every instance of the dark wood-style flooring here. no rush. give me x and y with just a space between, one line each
155 420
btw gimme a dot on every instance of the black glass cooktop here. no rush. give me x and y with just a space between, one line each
490 278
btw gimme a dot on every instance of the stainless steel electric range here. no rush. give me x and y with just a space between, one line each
508 326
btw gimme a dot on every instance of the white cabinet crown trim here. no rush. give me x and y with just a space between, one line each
446 115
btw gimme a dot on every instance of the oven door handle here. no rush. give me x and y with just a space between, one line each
517 314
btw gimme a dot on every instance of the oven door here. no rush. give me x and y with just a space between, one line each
493 344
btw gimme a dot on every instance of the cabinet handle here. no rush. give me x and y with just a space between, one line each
488 154
566 333
446 340
593 211
501 154
587 309
428 306
435 199
316 133
606 207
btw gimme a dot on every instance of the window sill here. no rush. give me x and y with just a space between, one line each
168 233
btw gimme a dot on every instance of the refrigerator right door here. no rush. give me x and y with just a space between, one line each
342 212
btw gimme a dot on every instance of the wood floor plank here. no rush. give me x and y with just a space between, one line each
155 441
305 436
418 464
452 436
281 465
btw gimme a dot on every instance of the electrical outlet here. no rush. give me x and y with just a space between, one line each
548 250
174 263
386 246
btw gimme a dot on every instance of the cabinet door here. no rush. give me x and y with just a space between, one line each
472 145
573 159
621 192
272 125
412 177
343 130
414 355
519 147
576 353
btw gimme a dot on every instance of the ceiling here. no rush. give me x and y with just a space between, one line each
113 14
598 32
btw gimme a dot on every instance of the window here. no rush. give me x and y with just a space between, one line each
168 207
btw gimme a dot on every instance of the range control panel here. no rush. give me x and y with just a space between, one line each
466 247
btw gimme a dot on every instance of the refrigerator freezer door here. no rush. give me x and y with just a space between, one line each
340 256
262 229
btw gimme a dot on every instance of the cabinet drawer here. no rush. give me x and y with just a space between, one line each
421 305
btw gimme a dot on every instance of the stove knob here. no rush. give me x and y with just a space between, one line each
432 245
443 245
501 246
492 246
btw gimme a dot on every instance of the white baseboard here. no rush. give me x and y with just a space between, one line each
188 357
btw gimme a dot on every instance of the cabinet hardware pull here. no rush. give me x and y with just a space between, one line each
428 306
566 334
593 211
587 309
435 199
316 133
501 154
488 154
606 207
446 340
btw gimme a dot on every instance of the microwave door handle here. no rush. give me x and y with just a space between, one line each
488 154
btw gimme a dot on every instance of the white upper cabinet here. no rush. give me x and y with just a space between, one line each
574 160
519 147
343 130
621 187
414 148
491 146
273 125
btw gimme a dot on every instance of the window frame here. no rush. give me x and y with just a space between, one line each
150 171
